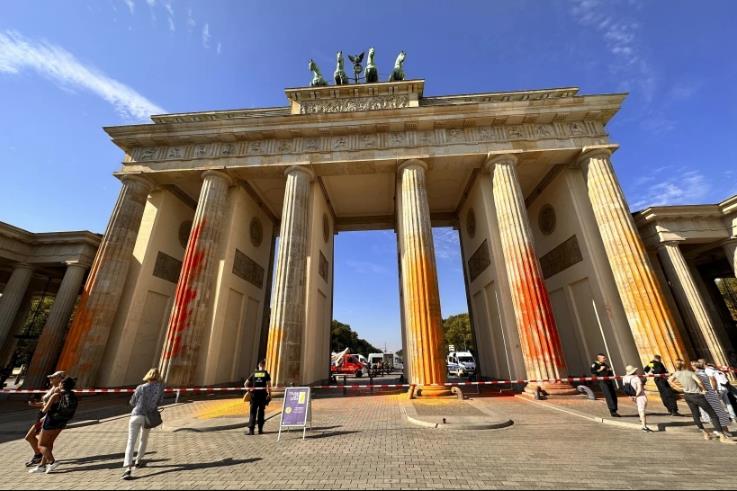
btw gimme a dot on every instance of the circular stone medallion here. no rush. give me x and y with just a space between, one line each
184 230
547 219
471 223
256 230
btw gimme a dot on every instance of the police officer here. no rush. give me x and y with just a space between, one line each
656 367
600 368
259 385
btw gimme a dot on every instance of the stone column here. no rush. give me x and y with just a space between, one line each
421 297
50 343
651 322
730 249
193 297
692 302
13 294
87 338
541 347
287 324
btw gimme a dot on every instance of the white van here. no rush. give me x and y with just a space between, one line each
461 363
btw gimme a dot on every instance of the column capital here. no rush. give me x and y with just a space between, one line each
407 164
217 173
301 168
23 265
493 160
139 179
592 152
672 242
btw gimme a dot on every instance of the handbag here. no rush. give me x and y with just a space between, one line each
247 396
153 419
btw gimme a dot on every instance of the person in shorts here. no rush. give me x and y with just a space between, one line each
33 432
59 411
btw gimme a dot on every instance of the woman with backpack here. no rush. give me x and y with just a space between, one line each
59 411
633 387
145 415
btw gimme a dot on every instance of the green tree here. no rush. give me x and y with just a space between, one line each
457 332
342 337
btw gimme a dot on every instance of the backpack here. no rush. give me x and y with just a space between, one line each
66 407
629 390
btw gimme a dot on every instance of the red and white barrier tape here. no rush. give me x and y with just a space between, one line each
174 390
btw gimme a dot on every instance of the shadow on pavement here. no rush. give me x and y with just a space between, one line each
116 464
330 434
189 467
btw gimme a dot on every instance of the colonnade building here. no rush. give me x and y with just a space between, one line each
188 276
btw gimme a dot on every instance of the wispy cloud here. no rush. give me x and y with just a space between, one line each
621 36
206 36
131 5
61 67
447 244
191 22
670 186
220 48
170 15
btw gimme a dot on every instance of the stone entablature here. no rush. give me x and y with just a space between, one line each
373 141
355 98
47 248
694 223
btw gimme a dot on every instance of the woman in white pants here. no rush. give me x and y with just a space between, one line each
638 395
146 399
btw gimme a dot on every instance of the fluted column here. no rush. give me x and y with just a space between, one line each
651 322
50 343
422 319
193 298
287 325
730 249
541 347
87 338
12 297
693 304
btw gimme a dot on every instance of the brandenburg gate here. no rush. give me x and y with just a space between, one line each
555 269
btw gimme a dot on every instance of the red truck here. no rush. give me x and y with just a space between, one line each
347 364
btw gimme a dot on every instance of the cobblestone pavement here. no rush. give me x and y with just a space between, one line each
363 442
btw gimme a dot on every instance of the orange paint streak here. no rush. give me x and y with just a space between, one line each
192 267
80 327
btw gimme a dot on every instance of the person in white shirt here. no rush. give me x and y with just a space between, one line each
721 381
635 389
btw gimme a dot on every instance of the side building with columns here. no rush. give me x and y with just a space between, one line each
220 248
41 276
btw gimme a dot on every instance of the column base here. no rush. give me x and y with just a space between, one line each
550 390
434 392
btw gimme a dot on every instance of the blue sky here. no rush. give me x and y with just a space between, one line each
69 68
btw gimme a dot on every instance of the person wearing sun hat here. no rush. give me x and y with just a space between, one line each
632 386
33 432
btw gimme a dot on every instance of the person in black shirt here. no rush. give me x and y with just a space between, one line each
656 367
259 386
600 368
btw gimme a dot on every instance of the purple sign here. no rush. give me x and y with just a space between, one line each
296 406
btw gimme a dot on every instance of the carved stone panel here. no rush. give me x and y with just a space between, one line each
479 261
561 258
324 267
354 104
547 220
247 269
256 231
167 267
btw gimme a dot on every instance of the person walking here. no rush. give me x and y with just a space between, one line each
722 386
259 388
657 368
693 390
35 429
632 386
145 402
711 394
600 368
59 410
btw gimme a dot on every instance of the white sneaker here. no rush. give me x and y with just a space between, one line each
51 467
39 469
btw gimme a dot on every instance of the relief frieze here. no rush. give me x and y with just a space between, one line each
375 141
354 104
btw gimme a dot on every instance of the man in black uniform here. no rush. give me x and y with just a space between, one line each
656 367
259 385
600 368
